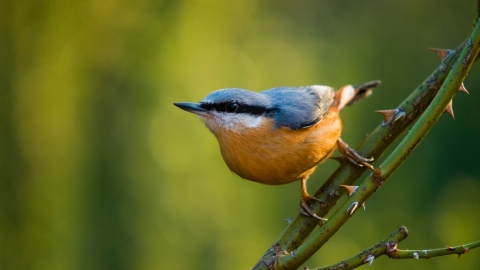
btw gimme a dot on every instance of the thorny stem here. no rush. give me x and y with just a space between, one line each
388 246
430 253
373 146
454 79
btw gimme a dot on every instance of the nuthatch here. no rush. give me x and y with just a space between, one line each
279 135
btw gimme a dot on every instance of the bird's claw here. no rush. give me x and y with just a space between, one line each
305 210
353 156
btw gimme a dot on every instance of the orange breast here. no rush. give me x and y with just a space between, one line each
277 156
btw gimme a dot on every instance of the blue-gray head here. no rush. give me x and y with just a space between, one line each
238 109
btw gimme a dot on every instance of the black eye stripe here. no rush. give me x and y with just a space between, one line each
255 110
229 107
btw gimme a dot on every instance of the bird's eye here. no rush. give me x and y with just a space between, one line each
231 107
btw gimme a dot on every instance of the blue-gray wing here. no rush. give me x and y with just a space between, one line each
299 107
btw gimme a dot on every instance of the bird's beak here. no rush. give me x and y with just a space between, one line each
190 107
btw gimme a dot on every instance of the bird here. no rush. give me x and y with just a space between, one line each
280 135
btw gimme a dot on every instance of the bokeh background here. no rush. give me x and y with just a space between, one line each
100 171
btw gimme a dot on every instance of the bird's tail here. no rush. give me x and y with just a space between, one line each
351 94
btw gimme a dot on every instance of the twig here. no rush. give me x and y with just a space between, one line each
388 246
385 246
454 79
430 253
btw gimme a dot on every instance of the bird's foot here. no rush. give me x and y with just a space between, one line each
305 209
353 156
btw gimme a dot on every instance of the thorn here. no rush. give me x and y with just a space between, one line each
442 53
463 89
416 256
450 248
387 115
352 208
459 254
449 109
369 259
363 205
288 220
350 189
391 116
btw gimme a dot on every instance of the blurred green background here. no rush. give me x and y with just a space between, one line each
100 171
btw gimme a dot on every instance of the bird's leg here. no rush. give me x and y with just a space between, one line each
304 199
353 156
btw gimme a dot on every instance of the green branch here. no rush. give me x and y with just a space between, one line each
388 246
430 253
373 145
385 246
453 81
